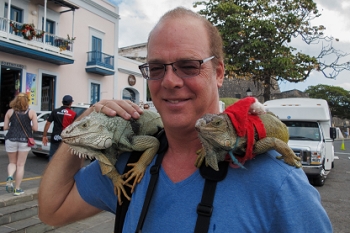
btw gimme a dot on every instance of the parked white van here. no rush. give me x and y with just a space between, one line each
310 133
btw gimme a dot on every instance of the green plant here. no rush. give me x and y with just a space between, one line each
65 44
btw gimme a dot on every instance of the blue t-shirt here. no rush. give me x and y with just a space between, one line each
267 196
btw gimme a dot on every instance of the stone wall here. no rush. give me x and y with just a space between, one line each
237 88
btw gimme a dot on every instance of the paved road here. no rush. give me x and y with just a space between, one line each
335 194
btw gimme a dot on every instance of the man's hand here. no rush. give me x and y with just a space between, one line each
123 108
44 140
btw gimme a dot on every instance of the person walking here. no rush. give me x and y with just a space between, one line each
61 117
20 121
185 69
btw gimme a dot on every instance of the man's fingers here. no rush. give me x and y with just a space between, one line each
123 108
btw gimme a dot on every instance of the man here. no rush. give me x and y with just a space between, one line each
62 117
146 106
268 196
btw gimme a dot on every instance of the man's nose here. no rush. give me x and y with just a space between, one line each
171 79
172 68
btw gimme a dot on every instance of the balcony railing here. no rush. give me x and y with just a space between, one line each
100 63
48 43
101 59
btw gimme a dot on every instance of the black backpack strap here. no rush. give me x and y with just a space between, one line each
205 207
153 181
123 208
134 157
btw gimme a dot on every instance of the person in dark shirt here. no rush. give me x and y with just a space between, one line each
62 117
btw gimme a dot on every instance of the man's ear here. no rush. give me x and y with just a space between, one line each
220 73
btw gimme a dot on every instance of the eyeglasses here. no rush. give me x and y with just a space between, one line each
182 68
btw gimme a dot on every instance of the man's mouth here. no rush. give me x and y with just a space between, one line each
175 101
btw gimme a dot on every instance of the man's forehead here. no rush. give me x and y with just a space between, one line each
177 42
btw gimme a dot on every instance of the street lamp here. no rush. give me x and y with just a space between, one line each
249 92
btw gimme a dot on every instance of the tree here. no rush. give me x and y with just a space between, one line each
338 99
257 36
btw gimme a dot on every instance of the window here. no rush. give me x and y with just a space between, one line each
129 94
15 13
96 47
303 130
95 93
50 28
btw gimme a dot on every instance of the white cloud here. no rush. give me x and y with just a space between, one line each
138 17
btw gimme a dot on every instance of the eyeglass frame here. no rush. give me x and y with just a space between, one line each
143 66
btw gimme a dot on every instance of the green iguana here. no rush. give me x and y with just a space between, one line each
105 138
242 135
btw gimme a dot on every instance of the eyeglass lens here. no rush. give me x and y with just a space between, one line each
184 69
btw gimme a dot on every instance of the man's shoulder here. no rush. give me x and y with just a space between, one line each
270 160
267 166
57 109
71 111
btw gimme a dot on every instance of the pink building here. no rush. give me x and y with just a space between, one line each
50 48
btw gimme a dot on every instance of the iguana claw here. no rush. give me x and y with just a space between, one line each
119 189
136 173
200 157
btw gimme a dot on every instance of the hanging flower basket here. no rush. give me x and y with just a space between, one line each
27 30
64 44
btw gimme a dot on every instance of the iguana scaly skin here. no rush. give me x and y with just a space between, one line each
218 137
105 138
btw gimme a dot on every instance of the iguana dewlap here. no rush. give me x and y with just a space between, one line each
105 138
219 137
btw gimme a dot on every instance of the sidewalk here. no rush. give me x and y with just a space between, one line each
103 222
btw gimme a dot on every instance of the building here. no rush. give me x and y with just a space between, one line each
136 52
290 94
238 88
50 48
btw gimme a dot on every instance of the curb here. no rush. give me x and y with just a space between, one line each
9 199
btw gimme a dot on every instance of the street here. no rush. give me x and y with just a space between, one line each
335 194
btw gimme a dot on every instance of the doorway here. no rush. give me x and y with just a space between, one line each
10 82
48 92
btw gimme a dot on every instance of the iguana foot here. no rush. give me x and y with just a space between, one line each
200 157
291 160
136 173
119 189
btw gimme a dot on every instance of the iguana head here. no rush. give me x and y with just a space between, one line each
91 131
217 130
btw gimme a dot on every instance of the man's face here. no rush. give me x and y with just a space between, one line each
181 101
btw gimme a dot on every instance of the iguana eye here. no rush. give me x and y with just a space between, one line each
84 125
216 122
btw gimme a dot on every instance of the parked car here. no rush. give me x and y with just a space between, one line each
39 149
41 115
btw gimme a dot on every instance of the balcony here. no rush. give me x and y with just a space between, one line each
34 43
100 63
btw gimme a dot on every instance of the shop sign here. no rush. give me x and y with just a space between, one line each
9 64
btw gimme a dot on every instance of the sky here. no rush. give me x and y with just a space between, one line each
139 16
